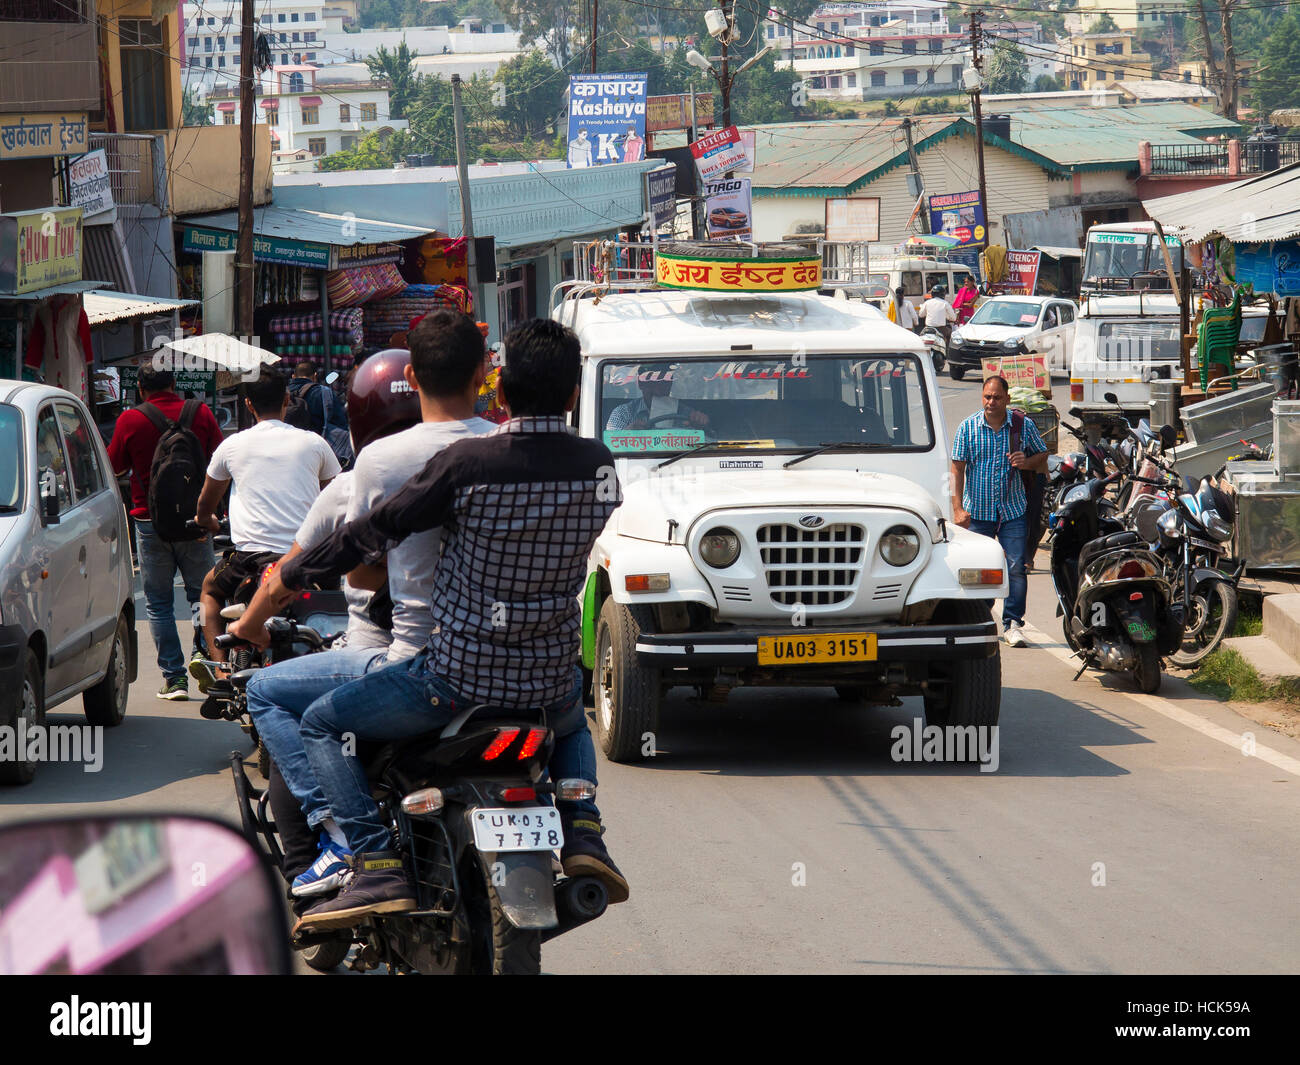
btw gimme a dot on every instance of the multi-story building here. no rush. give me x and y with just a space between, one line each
871 50
1132 15
1098 60
305 108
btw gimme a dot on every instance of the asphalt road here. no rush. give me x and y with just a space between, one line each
774 833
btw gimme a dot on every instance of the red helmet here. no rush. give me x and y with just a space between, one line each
380 401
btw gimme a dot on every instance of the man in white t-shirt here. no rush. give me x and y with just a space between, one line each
278 471
938 314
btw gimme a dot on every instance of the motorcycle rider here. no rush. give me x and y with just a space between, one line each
440 376
521 508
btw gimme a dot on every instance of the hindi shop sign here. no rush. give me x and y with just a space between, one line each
959 215
661 195
265 249
38 136
1022 272
747 275
39 249
89 181
716 153
607 115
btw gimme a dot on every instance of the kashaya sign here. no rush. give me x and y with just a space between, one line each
716 153
40 249
738 275
607 119
1022 272
961 216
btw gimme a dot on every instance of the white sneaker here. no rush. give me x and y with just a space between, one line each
1016 635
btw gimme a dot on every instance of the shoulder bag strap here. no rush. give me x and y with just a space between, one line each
157 417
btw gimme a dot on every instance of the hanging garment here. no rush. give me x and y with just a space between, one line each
59 344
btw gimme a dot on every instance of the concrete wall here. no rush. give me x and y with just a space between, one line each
204 168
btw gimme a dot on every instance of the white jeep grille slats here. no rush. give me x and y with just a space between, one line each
811 567
886 591
736 593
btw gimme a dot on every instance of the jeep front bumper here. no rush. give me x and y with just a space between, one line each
739 647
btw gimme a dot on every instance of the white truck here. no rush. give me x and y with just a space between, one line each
786 516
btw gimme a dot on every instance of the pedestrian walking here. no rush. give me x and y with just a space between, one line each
904 313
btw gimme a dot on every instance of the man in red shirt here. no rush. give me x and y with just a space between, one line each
132 447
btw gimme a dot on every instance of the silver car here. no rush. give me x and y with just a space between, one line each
67 612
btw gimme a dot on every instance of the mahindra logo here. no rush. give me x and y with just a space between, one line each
811 521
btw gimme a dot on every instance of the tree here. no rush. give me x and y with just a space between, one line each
554 21
1103 23
398 69
1047 83
194 113
1277 83
531 94
1008 69
373 153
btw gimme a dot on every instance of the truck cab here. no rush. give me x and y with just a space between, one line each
785 521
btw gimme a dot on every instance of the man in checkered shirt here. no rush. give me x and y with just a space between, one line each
520 509
988 495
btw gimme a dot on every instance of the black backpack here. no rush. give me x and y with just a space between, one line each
297 413
176 475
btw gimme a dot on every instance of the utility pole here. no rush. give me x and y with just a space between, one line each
462 174
725 80
916 170
595 8
695 200
244 245
978 63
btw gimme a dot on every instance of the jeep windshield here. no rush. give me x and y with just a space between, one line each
664 407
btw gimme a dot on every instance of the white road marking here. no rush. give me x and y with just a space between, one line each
1165 708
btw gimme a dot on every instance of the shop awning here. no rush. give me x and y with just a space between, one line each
1256 211
1053 252
230 357
226 105
68 288
309 101
102 306
271 105
297 223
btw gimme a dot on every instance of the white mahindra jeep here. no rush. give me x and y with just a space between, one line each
786 516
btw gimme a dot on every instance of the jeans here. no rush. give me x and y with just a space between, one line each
159 561
279 695
405 700
1011 535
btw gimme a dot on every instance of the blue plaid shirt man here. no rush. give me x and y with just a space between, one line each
991 492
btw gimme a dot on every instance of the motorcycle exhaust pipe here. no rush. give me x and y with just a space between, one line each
577 901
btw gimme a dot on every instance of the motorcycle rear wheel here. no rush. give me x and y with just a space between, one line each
1214 604
498 948
1147 672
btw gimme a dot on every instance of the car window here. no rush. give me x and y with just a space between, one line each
1067 313
1050 317
911 282
932 279
11 458
83 463
51 465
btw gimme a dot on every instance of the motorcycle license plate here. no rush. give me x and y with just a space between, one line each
519 828
808 650
1196 541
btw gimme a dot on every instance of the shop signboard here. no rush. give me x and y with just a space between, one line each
28 135
607 119
718 152
1022 273
729 209
265 249
674 112
39 249
959 215
661 194
1271 267
853 218
353 255
88 181
799 274
198 381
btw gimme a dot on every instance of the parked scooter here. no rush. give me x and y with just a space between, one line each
1111 588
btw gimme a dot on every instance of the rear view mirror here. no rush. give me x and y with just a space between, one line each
1110 397
137 895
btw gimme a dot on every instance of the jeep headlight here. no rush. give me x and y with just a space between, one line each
899 545
720 547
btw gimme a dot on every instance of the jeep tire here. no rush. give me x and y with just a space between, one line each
626 693
973 692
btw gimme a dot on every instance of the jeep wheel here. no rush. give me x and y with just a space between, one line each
626 692
973 692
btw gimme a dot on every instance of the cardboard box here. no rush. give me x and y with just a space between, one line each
1029 371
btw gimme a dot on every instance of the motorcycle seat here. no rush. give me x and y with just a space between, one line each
242 677
1105 544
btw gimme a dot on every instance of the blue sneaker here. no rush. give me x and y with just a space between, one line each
326 872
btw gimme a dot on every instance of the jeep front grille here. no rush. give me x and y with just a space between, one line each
811 567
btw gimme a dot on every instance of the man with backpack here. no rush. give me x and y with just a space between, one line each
992 452
315 407
165 443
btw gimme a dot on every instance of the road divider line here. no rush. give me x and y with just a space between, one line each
1173 712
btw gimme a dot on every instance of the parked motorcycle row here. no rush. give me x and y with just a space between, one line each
1139 559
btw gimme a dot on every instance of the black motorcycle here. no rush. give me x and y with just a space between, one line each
466 808
1112 592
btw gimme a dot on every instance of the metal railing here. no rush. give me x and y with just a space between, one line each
1190 160
1260 157
132 169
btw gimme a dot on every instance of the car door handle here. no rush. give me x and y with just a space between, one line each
81 559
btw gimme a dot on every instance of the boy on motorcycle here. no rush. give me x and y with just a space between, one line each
520 508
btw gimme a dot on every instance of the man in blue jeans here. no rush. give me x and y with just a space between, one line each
520 509
988 494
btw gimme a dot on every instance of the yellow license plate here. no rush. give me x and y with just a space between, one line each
826 647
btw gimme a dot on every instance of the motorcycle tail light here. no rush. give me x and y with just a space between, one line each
533 740
423 802
504 738
571 789
518 795
1135 597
